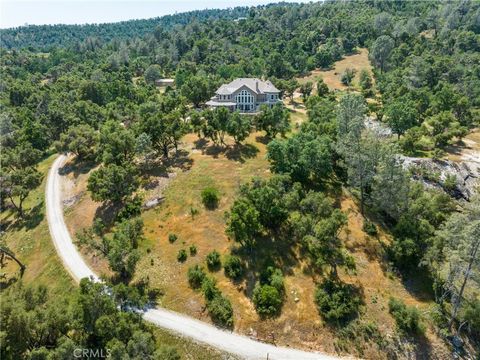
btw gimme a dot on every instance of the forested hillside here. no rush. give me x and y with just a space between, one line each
45 37
326 238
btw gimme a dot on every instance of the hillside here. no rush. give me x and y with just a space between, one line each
321 219
47 37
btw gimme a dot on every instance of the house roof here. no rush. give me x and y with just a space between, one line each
256 85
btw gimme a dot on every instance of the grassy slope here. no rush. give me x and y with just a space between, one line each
332 77
30 240
299 324
32 244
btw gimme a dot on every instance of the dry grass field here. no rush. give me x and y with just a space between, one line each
299 324
30 240
357 62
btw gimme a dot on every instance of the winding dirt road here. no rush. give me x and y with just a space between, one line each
183 325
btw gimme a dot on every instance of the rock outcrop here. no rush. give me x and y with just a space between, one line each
440 173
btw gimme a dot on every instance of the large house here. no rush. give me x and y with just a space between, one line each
245 95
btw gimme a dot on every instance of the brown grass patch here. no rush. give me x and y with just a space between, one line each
466 150
332 77
299 324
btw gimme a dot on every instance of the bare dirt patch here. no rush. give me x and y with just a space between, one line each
467 150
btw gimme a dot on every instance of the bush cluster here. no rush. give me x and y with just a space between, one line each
213 260
182 255
269 292
172 238
337 301
210 197
369 228
218 306
233 267
196 275
406 317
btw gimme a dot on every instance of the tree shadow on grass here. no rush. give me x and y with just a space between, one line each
107 213
77 167
268 252
418 284
179 160
213 150
201 143
31 219
240 152
263 139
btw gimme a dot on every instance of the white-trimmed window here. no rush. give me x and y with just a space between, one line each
244 98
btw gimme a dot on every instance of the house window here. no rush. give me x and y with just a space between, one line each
244 100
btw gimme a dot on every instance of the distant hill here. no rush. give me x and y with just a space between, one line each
44 37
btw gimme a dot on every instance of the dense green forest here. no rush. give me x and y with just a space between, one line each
47 37
90 90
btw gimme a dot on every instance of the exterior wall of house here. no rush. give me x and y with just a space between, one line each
246 100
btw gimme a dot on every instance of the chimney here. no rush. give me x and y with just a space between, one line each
256 83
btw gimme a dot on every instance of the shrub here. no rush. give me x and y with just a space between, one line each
221 312
165 352
196 275
274 277
437 154
450 182
209 288
193 212
267 300
131 209
347 77
182 255
369 228
213 260
193 250
336 301
406 317
210 197
172 238
472 316
233 267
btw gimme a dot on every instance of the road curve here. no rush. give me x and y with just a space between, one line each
181 324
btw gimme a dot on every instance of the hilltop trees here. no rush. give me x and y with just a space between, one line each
216 123
116 144
197 89
153 73
239 127
122 249
164 129
401 115
306 90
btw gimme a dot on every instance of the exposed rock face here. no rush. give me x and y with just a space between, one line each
434 173
377 127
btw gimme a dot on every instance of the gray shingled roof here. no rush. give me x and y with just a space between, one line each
256 85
